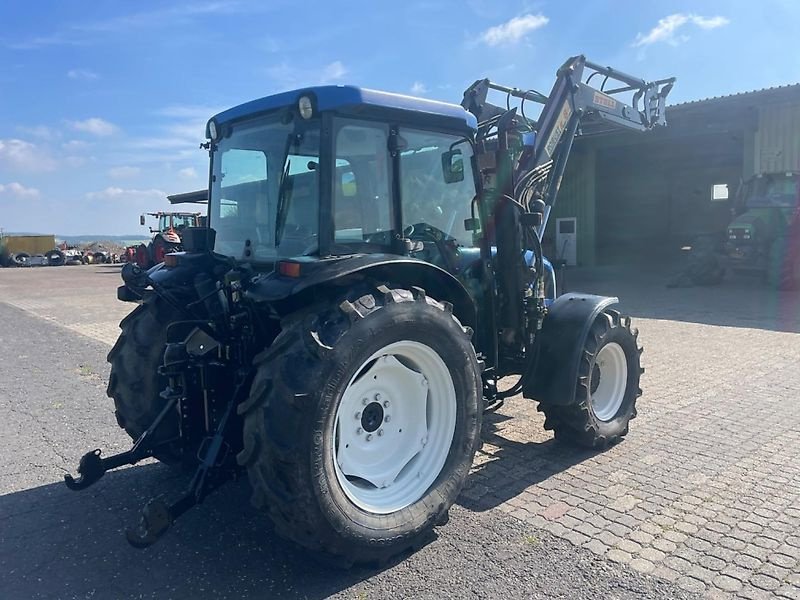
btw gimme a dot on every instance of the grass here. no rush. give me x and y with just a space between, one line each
531 540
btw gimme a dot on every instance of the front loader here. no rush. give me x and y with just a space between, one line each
372 267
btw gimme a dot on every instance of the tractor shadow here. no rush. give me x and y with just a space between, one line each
55 543
504 468
738 301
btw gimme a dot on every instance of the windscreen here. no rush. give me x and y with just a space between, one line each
265 190
776 190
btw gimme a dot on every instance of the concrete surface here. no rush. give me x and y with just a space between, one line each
703 497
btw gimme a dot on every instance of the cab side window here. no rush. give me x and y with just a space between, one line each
436 182
361 183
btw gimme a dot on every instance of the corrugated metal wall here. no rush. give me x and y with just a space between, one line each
576 198
777 141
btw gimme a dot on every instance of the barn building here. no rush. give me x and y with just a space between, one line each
645 195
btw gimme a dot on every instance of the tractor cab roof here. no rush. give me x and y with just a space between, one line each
357 100
174 214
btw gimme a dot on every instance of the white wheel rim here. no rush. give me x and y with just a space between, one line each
394 427
612 366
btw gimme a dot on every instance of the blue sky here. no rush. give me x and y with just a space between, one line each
104 102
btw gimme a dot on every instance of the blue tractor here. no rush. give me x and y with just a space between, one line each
371 268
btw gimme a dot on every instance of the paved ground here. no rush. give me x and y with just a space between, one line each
703 496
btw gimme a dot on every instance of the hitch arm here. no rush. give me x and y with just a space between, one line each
92 467
157 517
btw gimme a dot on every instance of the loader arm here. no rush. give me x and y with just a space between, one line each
522 162
536 151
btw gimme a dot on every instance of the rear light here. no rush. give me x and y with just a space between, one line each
289 269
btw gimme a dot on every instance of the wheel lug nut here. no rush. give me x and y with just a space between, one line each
377 397
359 431
386 404
364 401
369 437
380 431
387 419
358 415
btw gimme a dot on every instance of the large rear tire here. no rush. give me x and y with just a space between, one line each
362 424
21 259
134 383
606 389
55 258
783 269
160 248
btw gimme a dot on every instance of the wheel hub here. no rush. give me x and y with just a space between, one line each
372 417
609 381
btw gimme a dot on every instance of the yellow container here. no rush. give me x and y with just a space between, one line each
31 244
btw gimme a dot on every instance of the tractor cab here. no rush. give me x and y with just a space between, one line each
335 171
172 221
764 208
771 190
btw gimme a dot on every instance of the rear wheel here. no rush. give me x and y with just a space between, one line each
783 269
160 248
143 257
362 424
134 383
606 389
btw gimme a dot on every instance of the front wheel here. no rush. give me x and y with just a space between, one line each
362 424
606 388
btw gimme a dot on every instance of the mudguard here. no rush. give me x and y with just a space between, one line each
289 293
563 335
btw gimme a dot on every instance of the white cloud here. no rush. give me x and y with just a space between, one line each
18 190
710 22
666 30
419 88
113 193
289 76
123 172
333 72
514 30
95 126
188 173
82 74
43 132
73 145
25 156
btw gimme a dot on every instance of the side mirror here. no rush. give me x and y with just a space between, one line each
141 220
453 166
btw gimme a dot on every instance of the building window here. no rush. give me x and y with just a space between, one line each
719 191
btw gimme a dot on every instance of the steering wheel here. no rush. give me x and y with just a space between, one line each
445 244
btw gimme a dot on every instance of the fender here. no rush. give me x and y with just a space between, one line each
178 277
285 293
563 335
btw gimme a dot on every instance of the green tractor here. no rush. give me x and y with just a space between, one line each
371 269
760 236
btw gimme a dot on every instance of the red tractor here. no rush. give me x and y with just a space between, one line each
167 237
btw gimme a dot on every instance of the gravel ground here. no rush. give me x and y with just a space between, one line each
55 543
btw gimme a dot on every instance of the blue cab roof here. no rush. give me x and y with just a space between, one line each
332 97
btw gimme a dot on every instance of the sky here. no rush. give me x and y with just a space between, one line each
104 103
